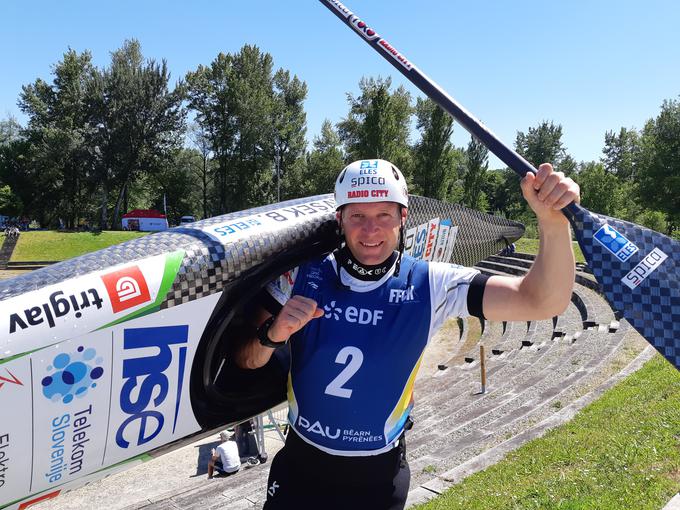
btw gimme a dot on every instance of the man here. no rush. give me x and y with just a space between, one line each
358 322
226 458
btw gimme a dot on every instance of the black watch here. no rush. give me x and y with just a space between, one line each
263 334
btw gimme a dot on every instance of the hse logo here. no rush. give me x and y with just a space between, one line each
149 355
402 295
72 375
127 288
615 242
353 314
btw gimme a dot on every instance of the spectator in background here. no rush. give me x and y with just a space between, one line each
225 458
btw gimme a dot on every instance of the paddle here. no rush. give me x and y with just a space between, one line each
636 267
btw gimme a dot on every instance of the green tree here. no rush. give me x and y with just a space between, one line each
476 166
435 158
377 125
10 141
321 166
621 153
57 130
601 191
139 124
658 168
289 124
10 203
174 186
10 130
543 144
253 119
203 170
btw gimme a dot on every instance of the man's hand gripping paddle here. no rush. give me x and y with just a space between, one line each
636 267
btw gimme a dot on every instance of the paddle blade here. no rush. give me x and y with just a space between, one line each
639 274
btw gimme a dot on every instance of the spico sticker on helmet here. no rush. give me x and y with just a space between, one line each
373 180
126 288
146 383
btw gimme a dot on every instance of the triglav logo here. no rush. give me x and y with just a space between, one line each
72 375
127 288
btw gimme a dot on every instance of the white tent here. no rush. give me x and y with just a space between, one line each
145 220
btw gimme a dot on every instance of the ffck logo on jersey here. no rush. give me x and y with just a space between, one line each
353 314
127 288
402 295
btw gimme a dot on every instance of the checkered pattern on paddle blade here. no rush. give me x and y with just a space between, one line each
639 274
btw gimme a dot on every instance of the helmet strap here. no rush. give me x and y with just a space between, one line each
400 248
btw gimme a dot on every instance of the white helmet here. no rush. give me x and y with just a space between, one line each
370 180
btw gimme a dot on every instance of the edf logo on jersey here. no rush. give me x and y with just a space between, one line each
353 314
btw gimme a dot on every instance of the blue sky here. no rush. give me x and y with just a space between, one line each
591 66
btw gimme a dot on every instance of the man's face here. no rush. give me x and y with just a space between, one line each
372 230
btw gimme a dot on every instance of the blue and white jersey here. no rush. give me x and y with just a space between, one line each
350 385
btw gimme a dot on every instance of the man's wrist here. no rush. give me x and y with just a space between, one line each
553 225
265 339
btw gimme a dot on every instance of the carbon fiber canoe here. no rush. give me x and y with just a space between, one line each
119 353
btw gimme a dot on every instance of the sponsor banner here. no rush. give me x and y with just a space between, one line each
409 240
78 306
91 402
15 431
450 243
431 241
442 238
419 241
235 230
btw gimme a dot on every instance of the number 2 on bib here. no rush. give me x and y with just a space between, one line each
353 358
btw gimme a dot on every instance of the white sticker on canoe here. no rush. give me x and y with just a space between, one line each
91 402
73 307
644 268
442 237
15 429
450 243
241 228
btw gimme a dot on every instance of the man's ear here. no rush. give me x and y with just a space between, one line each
404 213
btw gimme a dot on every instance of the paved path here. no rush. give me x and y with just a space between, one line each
6 250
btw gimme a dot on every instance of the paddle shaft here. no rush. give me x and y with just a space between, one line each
473 125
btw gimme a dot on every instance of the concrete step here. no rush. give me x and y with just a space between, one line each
453 446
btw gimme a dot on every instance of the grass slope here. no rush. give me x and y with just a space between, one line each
55 246
620 452
525 245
